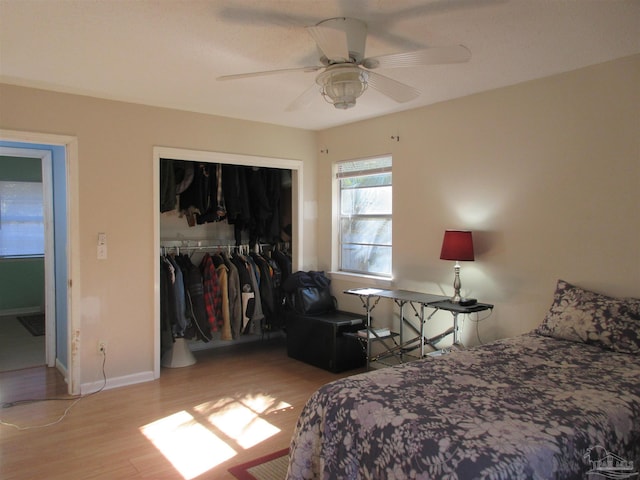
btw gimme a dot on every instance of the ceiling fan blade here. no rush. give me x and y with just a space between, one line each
237 76
427 56
304 99
393 89
332 41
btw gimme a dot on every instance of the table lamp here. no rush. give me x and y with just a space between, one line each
457 245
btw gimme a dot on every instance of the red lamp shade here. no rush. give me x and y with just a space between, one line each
457 245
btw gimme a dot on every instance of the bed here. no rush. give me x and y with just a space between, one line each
561 402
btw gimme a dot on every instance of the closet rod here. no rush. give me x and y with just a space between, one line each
179 245
191 248
202 247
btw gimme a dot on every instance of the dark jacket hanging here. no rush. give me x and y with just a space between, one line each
195 297
236 198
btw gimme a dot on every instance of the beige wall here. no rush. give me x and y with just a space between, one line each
546 174
115 156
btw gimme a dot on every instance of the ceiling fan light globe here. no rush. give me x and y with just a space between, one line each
341 85
345 103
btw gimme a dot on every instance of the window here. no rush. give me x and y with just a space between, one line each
21 219
365 216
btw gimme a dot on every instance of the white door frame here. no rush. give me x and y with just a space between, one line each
73 239
49 253
296 167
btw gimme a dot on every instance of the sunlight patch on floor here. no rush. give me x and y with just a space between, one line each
188 442
190 447
241 419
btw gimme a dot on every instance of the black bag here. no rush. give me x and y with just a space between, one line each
308 293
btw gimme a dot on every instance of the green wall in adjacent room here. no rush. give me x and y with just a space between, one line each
21 284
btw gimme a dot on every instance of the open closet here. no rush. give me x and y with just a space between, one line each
226 236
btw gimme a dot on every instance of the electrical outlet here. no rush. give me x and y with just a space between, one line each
102 347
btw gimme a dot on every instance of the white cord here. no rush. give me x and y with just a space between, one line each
18 427
477 322
67 410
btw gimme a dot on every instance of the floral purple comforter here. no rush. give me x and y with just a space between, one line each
529 407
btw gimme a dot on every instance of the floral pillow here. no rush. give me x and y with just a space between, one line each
583 316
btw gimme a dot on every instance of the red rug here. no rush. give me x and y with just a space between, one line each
269 467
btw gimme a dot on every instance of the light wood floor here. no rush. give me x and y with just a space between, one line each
234 405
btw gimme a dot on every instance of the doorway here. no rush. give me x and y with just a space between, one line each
32 274
59 160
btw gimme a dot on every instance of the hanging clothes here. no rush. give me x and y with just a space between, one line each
213 199
212 295
266 287
250 305
195 298
195 200
184 172
236 198
248 198
258 203
225 295
284 261
235 296
278 294
228 295
166 309
263 187
181 321
273 224
167 186
221 208
175 177
257 318
223 278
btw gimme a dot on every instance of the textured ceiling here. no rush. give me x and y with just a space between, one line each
170 52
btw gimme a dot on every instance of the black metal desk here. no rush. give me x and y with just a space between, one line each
398 345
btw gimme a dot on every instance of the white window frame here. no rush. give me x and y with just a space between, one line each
343 169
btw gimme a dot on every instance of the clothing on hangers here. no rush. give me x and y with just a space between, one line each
229 295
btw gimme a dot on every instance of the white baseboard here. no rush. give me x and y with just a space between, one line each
63 370
115 382
14 312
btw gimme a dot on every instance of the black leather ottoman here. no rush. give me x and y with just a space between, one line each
319 340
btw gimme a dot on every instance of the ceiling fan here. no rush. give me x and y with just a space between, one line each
345 73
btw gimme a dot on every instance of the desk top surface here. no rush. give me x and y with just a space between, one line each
431 300
402 295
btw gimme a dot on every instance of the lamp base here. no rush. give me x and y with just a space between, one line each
456 284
